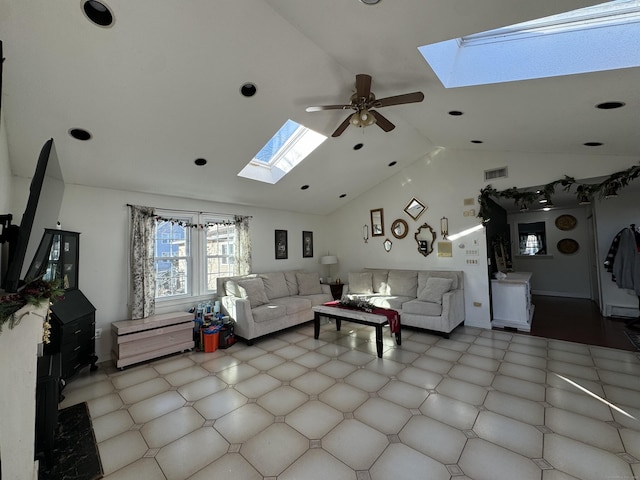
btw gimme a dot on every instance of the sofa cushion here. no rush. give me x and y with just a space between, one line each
424 275
389 301
253 289
434 289
293 304
418 307
379 280
360 283
308 283
403 283
267 312
292 282
275 285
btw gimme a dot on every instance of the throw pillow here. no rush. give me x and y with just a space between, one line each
275 285
435 288
360 283
292 282
253 289
232 289
309 283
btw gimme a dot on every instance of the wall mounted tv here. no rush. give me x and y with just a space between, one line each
42 211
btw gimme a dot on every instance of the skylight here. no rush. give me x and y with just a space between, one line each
290 145
597 38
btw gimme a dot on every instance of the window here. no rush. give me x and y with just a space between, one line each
532 238
191 252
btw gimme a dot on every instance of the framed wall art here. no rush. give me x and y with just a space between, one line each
282 248
307 244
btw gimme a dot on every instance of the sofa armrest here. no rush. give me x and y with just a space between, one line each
453 306
239 310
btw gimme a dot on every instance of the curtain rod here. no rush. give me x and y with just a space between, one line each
191 211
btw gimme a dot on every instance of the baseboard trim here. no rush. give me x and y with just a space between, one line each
559 294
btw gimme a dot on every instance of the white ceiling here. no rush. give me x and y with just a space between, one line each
160 88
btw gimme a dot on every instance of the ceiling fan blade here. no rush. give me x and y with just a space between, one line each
343 126
363 85
327 107
399 99
382 121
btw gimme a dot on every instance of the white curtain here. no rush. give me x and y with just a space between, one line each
243 245
143 282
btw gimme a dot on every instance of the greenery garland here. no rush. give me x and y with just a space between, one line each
33 293
584 191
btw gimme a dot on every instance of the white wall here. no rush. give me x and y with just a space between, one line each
612 216
555 273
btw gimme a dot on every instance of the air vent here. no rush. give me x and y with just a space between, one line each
495 173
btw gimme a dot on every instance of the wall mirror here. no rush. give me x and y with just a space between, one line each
377 222
415 208
387 245
425 236
399 228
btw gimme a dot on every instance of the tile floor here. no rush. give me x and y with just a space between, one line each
484 405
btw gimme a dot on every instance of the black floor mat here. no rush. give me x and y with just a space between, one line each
75 453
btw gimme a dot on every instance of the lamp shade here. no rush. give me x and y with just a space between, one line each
329 260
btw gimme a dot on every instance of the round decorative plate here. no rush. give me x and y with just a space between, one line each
568 246
566 222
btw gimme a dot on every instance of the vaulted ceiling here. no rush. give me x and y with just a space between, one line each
161 88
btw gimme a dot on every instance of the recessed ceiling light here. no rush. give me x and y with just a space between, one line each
456 113
80 134
304 187
201 162
610 105
343 195
248 89
592 144
370 2
358 146
391 164
477 141
98 13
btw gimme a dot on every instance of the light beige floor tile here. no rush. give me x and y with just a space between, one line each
313 383
572 370
242 424
614 354
584 429
384 416
218 364
421 337
355 443
484 351
522 372
631 441
311 343
337 369
344 397
574 384
312 359
86 393
527 411
173 364
449 355
258 385
528 350
287 371
509 433
204 357
622 396
293 337
556 475
201 388
526 360
237 373
105 404
399 355
579 403
249 353
153 407
219 404
134 377
620 379
121 450
433 364
282 400
482 460
145 468
332 350
314 419
561 345
356 358
412 346
520 388
583 461
273 450
85 378
451 344
316 464
473 375
491 343
229 466
187 375
628 417
530 340
167 428
571 357
420 378
476 361
496 335
413 465
460 336
271 344
628 367
463 391
137 393
291 351
367 380
435 439
191 453
111 424
449 411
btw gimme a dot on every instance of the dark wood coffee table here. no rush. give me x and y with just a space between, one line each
356 316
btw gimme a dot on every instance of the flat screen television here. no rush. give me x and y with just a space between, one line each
42 211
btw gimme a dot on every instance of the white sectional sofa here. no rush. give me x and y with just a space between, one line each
427 299
262 303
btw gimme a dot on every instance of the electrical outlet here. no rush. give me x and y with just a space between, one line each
477 304
98 333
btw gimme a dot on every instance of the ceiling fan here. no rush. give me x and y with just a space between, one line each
363 101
